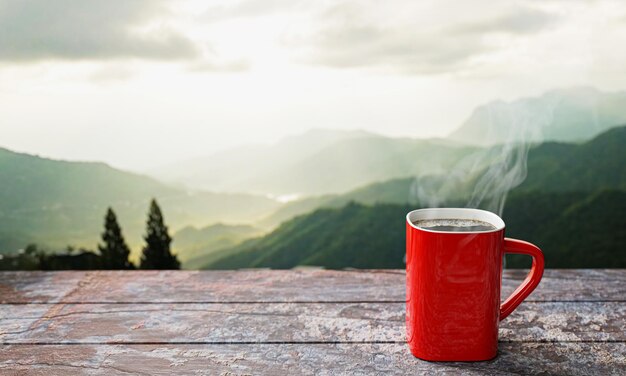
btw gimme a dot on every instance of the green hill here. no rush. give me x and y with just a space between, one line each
56 203
596 164
574 230
355 235
584 230
590 233
571 204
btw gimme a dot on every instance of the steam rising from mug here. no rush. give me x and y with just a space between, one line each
483 178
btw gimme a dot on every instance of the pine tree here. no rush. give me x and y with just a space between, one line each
114 251
156 253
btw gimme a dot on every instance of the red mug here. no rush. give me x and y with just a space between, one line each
453 284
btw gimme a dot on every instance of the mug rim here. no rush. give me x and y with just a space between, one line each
455 213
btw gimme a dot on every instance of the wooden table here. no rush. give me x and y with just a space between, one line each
288 322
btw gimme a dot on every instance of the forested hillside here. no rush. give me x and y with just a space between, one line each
56 203
552 167
575 230
571 203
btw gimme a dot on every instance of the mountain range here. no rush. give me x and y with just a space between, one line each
322 161
552 167
56 203
566 115
571 203
578 230
316 162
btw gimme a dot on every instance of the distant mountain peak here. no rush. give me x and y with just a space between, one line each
570 114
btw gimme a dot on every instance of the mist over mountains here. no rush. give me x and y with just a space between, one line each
228 198
233 168
572 115
315 162
574 230
553 167
325 161
571 205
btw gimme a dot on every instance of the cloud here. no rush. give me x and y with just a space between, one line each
252 8
520 21
350 35
349 38
35 30
398 49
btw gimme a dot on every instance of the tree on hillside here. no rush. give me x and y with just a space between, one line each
113 252
156 253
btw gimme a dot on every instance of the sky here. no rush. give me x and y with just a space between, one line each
143 83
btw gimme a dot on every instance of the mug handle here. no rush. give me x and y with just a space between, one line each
532 279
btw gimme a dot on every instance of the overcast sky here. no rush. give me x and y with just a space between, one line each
140 83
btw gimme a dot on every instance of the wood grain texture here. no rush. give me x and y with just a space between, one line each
276 286
288 322
284 322
320 359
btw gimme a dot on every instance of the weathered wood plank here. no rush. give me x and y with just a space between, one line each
559 285
202 286
284 322
276 286
289 359
164 323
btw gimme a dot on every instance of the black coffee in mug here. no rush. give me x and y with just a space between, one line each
454 225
